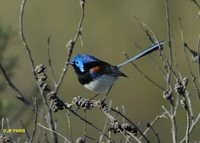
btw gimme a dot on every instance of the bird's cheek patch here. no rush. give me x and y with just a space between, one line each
81 68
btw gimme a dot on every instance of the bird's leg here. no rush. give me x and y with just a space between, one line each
93 97
104 99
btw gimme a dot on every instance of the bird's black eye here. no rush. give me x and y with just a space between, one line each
76 62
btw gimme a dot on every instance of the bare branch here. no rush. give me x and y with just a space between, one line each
19 95
172 117
188 63
163 115
26 131
49 59
71 44
41 77
35 120
69 125
144 75
153 60
196 3
125 129
21 27
65 139
192 127
198 52
154 131
169 31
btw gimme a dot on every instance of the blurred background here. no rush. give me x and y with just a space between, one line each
108 31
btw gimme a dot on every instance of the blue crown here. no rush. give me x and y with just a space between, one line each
81 59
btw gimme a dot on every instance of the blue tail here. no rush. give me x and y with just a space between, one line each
143 53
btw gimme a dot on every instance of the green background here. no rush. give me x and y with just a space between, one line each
108 31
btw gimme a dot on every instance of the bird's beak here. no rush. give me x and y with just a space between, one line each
70 63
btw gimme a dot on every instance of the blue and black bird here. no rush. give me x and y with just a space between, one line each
99 76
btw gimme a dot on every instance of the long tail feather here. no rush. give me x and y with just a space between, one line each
143 53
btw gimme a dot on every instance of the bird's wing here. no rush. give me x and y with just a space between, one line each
106 68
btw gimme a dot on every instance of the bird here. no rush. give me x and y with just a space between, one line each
99 76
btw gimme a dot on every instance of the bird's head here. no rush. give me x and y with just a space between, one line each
81 61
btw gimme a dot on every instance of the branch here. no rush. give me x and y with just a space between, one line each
188 64
21 33
69 125
19 95
49 59
41 77
125 129
153 60
114 110
196 3
192 127
35 120
144 75
198 62
58 104
154 131
71 44
153 122
169 31
66 140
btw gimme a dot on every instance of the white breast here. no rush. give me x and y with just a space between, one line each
101 84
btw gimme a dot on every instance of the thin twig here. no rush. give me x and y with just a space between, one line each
69 126
176 105
124 112
85 124
26 131
198 54
152 59
91 138
186 96
49 59
155 132
104 130
71 45
51 124
154 39
169 31
188 63
88 122
187 134
105 125
169 71
118 112
174 124
188 102
147 30
153 122
21 33
144 75
21 21
192 127
115 123
35 120
173 121
168 74
196 3
66 140
41 77
19 95
117 127
46 137
2 125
